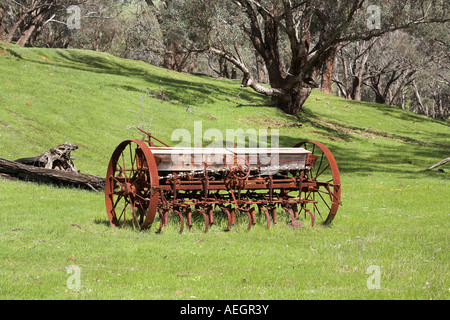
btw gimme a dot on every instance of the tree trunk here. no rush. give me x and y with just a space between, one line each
375 85
33 28
175 57
2 30
169 59
14 28
356 89
344 88
192 63
441 107
223 68
233 73
328 70
291 102
379 98
26 35
419 99
260 68
403 99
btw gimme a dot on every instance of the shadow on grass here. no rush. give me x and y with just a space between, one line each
220 223
174 86
104 222
364 150
406 155
375 156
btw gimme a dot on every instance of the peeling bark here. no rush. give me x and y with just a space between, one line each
53 166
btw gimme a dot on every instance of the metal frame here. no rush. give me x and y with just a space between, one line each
136 191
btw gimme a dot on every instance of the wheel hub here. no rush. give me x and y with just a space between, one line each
127 189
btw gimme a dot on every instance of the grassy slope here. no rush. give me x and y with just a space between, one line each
394 215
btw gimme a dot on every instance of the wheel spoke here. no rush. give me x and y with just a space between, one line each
123 212
134 217
117 201
129 179
124 169
315 206
320 165
139 196
324 180
328 165
131 158
329 208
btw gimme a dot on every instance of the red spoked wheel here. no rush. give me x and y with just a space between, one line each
323 195
131 186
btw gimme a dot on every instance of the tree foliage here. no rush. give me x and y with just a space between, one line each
296 38
393 52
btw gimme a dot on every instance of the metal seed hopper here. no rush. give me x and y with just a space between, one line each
144 180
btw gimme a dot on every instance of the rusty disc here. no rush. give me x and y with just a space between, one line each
325 193
130 190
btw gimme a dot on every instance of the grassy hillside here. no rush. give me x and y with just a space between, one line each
394 215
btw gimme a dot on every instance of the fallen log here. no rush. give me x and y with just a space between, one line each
438 164
52 166
58 177
57 158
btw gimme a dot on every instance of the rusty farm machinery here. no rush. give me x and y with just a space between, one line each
145 181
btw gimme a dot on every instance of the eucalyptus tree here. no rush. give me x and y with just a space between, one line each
385 64
295 38
24 20
405 68
429 94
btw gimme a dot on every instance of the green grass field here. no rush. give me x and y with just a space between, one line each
394 218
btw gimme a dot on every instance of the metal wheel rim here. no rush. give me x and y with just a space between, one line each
131 190
335 194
